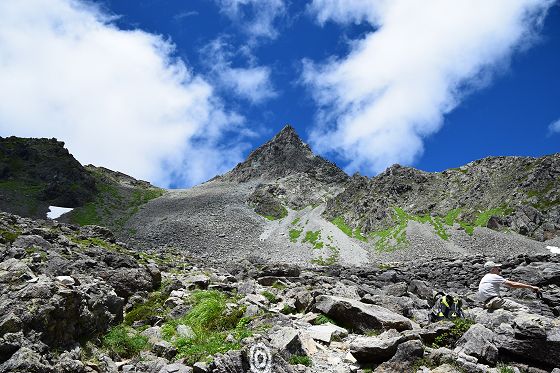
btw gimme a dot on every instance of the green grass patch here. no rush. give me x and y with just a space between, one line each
311 236
341 224
503 368
295 221
329 260
124 341
452 216
450 337
300 359
211 321
278 285
287 309
323 319
9 236
152 307
483 217
358 235
294 234
270 297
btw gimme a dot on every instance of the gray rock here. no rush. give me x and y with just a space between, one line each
406 356
478 341
185 331
326 332
176 368
287 340
31 241
164 349
200 367
359 316
153 334
26 360
376 349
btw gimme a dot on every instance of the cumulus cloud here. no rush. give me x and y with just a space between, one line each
392 90
256 17
250 83
554 127
118 98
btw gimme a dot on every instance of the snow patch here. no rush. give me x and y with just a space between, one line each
55 211
554 249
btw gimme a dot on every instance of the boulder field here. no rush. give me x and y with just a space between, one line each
74 299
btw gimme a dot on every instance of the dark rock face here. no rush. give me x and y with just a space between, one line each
284 155
46 171
290 175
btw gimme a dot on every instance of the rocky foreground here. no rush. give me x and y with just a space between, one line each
73 299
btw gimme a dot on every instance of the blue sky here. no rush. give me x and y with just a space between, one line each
178 91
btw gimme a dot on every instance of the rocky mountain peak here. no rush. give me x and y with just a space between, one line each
285 154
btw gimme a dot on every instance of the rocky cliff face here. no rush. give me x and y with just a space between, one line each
36 173
285 155
516 193
289 174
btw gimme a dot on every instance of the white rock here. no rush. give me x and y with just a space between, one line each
66 280
326 332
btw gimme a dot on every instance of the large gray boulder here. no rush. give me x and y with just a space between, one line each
531 338
478 341
358 316
406 356
376 349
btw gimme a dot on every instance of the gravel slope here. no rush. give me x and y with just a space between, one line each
213 222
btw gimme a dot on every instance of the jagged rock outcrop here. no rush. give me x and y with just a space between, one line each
516 193
289 174
59 286
285 155
36 173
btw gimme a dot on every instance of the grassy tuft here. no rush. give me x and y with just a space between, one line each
294 234
503 368
152 307
341 224
270 297
300 359
124 341
323 319
211 321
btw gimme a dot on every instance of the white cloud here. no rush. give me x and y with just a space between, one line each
251 83
393 89
554 127
117 98
256 17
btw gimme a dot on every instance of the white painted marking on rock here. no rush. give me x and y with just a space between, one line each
55 212
554 249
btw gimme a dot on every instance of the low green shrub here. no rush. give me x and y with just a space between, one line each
503 368
152 307
450 337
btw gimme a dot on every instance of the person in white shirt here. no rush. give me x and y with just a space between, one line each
489 289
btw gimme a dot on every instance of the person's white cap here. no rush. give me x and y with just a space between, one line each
491 264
